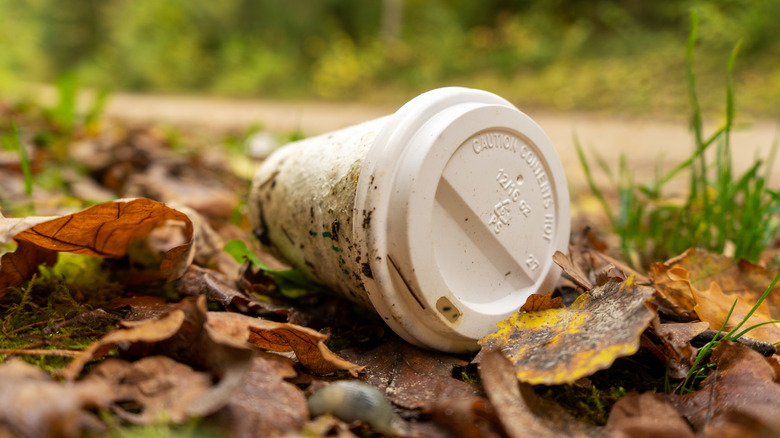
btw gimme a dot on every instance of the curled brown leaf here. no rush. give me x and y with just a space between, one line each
307 344
104 230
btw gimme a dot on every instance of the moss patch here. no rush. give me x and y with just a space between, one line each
35 315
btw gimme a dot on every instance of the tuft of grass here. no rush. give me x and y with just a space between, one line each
721 211
701 364
13 142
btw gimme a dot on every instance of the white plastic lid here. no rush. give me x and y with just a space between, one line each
462 202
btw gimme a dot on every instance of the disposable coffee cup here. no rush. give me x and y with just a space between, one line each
442 217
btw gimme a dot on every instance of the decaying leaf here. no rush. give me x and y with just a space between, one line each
562 345
587 256
156 387
145 331
672 345
465 417
574 271
740 390
712 305
412 377
18 266
307 344
181 334
202 281
33 404
734 279
171 348
104 230
646 415
538 302
520 411
141 307
265 402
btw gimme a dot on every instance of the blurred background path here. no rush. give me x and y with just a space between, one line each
644 141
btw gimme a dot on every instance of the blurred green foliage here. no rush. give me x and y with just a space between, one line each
566 54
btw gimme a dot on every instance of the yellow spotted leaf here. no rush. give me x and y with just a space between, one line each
557 346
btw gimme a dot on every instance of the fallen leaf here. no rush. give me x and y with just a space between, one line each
672 345
412 377
181 334
587 255
142 307
104 230
264 402
327 425
743 279
520 411
538 302
156 387
563 345
202 281
715 307
742 385
307 344
646 415
465 417
146 331
33 404
18 266
211 200
572 270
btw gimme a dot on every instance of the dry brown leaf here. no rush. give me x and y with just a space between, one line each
538 302
33 404
563 345
202 281
465 417
165 345
672 345
520 411
142 307
146 331
742 386
743 279
587 255
412 377
572 270
104 230
646 415
307 344
714 307
265 402
18 266
181 334
156 387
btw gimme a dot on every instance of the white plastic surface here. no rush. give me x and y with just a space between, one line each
461 203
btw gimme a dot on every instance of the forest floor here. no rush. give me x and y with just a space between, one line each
619 352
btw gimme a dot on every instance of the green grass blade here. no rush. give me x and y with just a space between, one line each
744 332
753 309
97 108
64 114
23 159
696 120
592 182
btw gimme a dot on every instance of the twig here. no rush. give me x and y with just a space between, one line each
82 318
765 348
39 352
